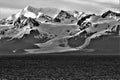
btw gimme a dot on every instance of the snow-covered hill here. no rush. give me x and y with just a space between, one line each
47 15
33 12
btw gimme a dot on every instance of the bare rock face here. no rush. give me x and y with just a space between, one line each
44 18
111 14
84 19
64 17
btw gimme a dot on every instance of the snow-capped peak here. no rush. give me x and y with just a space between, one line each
30 11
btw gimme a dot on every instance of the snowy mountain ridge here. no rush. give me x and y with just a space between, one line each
53 29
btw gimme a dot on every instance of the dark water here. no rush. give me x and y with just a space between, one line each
60 67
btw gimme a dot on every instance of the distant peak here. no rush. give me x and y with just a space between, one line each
110 12
29 8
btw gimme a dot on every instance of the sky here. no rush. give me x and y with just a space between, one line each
8 7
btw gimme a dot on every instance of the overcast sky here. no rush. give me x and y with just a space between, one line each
8 7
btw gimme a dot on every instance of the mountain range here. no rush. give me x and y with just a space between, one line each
50 30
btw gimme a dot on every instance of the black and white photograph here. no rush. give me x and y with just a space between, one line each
59 39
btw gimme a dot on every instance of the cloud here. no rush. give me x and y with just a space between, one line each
93 1
10 10
107 1
96 6
79 1
7 11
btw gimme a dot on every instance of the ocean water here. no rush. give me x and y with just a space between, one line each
65 67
